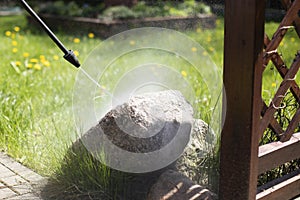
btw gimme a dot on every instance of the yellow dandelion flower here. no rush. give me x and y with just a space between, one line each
91 35
46 63
29 65
208 39
42 58
204 53
76 53
211 49
37 66
25 54
7 33
14 43
34 60
183 73
14 50
293 39
132 42
56 57
18 63
194 49
198 30
76 40
16 28
273 84
281 44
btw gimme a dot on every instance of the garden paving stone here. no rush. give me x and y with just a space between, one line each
1 185
22 189
13 180
25 196
17 181
6 193
5 172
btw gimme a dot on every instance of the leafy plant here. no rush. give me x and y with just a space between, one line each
118 12
71 9
140 10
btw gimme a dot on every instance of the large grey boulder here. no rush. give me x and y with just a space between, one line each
148 122
142 138
145 134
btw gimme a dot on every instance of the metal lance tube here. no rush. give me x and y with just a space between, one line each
69 54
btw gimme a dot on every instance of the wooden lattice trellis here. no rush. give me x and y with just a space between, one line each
247 52
276 153
288 75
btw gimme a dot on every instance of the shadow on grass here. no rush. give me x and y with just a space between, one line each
83 177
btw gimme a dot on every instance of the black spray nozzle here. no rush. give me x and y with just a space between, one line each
71 57
69 54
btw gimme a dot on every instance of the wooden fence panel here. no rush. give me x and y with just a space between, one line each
287 149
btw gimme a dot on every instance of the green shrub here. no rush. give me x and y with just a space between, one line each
62 9
143 10
71 9
118 12
192 7
140 10
92 11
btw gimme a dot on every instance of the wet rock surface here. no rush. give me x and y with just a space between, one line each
147 122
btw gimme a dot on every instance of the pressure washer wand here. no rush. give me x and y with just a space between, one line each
69 54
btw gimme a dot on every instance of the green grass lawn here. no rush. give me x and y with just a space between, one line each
36 86
36 94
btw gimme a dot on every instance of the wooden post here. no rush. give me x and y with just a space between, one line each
244 33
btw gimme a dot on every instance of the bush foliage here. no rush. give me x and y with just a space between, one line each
141 10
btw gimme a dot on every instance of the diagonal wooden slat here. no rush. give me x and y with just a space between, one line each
285 85
282 69
274 126
291 127
291 15
287 4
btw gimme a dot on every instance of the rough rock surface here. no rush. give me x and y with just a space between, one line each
144 134
201 143
147 122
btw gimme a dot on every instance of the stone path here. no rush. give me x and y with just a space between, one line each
16 181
